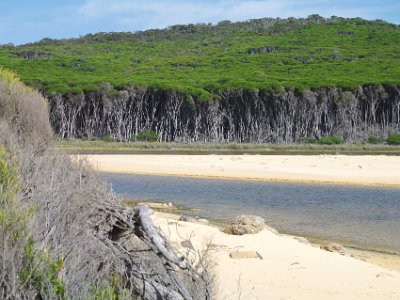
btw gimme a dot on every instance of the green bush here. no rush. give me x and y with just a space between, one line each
330 140
110 291
42 272
8 177
373 139
309 140
107 138
393 139
147 136
12 218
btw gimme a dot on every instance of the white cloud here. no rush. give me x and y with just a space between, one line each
141 14
163 13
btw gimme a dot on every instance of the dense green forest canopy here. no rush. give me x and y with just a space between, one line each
199 59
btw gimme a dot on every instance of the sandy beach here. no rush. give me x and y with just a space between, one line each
360 170
285 268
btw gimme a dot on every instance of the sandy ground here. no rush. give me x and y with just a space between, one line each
285 269
361 170
289 269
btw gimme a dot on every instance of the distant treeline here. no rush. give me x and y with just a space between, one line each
237 116
264 80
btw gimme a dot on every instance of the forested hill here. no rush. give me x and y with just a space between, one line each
202 59
266 80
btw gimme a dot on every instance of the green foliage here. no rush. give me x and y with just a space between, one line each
38 269
8 173
111 292
41 272
12 217
107 138
373 139
330 140
12 80
200 60
147 136
393 139
309 140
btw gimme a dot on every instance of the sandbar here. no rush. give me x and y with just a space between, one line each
338 169
285 267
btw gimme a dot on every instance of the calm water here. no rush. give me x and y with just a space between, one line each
359 216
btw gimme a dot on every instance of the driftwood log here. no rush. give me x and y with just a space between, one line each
137 222
78 220
100 239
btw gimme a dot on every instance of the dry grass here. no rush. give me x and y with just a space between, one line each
66 235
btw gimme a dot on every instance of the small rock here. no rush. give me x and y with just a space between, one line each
244 254
187 219
245 224
384 274
195 220
187 244
332 247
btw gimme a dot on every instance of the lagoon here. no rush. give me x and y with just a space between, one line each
361 217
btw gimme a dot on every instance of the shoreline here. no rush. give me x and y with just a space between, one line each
208 166
378 257
388 259
366 170
266 179
313 272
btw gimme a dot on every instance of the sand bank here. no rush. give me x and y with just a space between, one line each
285 269
361 170
289 269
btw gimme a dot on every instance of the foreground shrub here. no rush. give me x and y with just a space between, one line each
393 139
147 136
42 273
13 229
330 140
373 139
24 112
63 234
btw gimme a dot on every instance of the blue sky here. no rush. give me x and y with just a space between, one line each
23 21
